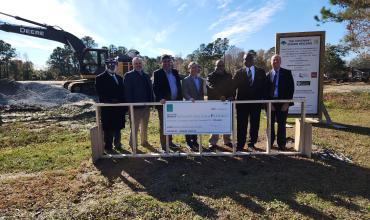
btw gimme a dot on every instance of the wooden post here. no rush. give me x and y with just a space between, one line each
233 110
200 144
303 118
133 131
96 137
268 112
167 144
303 142
96 144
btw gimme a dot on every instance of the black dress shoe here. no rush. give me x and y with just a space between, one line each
251 146
282 148
118 147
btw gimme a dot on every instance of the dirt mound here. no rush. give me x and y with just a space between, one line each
8 87
39 95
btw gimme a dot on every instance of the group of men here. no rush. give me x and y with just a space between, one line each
248 83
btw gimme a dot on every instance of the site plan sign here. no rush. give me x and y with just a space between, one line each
199 117
302 53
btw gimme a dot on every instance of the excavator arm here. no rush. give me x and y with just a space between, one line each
91 61
48 33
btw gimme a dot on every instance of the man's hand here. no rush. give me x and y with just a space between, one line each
193 100
163 101
222 98
285 107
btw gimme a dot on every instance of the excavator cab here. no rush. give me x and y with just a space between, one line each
93 63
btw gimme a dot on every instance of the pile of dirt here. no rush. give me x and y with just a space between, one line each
39 95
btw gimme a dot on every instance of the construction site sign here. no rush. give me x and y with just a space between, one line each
302 53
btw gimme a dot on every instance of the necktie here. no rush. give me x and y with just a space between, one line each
249 76
115 78
274 83
196 82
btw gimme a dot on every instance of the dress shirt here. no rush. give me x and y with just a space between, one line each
173 86
253 71
197 82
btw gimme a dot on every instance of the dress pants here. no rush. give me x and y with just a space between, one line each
245 112
280 117
161 135
141 119
191 139
110 137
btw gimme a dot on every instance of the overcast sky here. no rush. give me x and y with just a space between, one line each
176 27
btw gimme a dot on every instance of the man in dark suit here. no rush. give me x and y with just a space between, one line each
166 86
250 83
193 89
138 88
219 87
110 89
280 86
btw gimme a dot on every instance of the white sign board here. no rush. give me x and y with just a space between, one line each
199 117
301 55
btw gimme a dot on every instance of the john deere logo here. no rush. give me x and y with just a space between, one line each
169 107
283 42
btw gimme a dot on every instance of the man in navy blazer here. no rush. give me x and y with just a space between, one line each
166 86
250 84
138 88
110 89
280 86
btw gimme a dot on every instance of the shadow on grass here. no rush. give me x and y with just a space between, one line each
349 128
247 180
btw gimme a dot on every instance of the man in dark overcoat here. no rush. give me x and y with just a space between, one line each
110 89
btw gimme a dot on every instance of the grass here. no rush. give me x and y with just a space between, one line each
46 172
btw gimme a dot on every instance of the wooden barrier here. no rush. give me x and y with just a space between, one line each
303 135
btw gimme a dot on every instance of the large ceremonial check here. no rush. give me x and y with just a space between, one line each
199 117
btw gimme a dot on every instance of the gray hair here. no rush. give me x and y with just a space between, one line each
137 59
275 55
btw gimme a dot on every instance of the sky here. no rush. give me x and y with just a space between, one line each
155 27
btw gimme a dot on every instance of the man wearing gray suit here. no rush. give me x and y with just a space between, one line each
193 89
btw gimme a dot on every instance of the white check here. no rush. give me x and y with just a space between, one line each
199 117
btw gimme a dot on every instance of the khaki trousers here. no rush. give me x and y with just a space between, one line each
141 119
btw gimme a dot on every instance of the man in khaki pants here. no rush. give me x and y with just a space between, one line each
138 88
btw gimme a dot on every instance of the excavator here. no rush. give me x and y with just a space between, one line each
91 60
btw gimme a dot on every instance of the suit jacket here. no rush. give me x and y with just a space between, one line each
256 91
113 118
189 89
138 88
161 86
219 85
285 85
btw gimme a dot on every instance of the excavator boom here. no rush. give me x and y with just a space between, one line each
91 61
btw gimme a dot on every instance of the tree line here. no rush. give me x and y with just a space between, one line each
63 64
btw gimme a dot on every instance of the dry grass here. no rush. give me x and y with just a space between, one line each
187 188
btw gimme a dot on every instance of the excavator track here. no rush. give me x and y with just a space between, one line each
86 87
